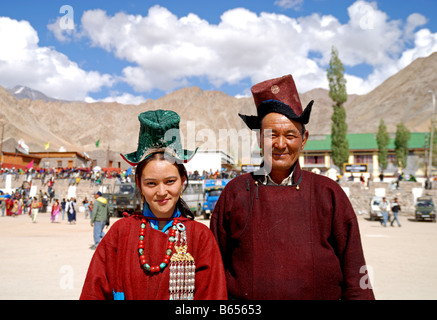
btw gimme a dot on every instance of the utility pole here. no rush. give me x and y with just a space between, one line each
107 157
1 146
432 135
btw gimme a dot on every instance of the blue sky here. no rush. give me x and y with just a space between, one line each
129 51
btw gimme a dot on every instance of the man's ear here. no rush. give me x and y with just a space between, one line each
304 139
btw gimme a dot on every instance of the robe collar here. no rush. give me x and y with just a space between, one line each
154 223
286 182
293 179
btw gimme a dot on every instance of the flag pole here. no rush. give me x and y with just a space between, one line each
1 146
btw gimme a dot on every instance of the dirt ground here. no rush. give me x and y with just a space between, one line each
49 261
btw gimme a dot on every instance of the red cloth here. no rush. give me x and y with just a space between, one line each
115 266
280 242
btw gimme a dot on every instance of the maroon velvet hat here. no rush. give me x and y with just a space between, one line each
277 95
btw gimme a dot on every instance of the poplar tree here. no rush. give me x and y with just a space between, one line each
401 145
338 94
434 146
382 139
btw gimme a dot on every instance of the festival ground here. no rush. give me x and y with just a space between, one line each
49 261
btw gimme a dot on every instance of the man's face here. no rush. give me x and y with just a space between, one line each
281 141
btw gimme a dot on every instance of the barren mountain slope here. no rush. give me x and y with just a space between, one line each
78 125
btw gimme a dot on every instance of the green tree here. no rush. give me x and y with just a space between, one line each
382 139
434 147
401 145
338 94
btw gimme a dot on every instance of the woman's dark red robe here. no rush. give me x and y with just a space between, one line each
290 242
115 269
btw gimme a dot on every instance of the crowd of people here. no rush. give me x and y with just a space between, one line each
222 174
20 203
74 174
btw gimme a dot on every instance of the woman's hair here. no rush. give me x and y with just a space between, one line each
181 204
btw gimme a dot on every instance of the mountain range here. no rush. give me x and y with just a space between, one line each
22 92
37 119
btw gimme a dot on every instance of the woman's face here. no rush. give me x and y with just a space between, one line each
161 186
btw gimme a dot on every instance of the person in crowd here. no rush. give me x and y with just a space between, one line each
99 218
286 233
15 205
45 202
160 253
3 204
71 211
395 208
384 206
63 204
91 208
86 206
35 209
55 211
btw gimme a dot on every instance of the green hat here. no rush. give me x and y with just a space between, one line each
159 132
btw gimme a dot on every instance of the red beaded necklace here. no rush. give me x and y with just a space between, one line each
169 252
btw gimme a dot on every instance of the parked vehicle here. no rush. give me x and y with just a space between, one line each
193 196
106 190
125 198
211 195
425 209
202 195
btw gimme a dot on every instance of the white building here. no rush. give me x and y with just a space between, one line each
209 160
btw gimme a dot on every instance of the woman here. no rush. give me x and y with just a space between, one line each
15 206
35 209
161 253
86 205
71 211
55 211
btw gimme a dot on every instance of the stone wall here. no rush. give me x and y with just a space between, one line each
360 197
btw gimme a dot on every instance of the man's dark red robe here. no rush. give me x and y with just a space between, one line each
115 269
290 242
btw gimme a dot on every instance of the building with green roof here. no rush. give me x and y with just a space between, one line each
363 149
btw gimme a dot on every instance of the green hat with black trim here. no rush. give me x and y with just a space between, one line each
159 132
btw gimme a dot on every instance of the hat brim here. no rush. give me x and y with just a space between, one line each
184 156
269 106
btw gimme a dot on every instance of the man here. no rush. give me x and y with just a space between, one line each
384 206
99 217
285 233
396 207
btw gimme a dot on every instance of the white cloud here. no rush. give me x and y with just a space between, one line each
413 21
23 61
61 33
424 43
165 51
125 98
288 4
